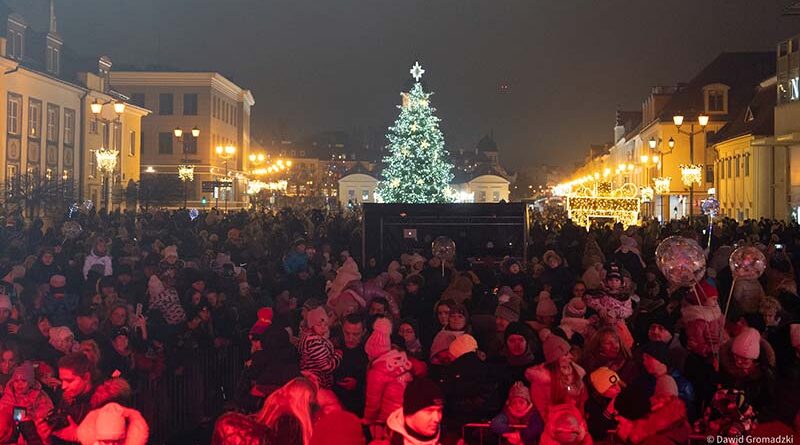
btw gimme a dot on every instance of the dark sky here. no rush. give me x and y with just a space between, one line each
339 64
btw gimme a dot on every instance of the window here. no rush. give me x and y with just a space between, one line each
132 143
225 112
14 113
190 104
482 196
34 118
364 195
69 127
93 126
728 161
117 139
351 195
53 55
165 104
165 143
747 165
189 144
216 107
137 99
716 100
710 173
92 163
737 166
495 196
53 115
14 44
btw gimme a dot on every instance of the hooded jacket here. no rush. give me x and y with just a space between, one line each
92 259
399 435
37 404
387 378
668 422
541 392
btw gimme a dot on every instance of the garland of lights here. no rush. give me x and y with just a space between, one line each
691 174
662 185
417 170
647 194
186 172
603 201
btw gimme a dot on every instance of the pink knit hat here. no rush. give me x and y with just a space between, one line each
110 423
379 342
546 307
554 347
746 344
315 316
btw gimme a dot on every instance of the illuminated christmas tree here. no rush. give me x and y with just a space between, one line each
417 170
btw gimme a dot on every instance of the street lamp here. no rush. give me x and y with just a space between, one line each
225 152
690 173
185 170
107 162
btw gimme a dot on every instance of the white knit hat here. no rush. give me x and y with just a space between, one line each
379 342
747 344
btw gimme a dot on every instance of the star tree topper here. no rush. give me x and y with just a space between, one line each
417 71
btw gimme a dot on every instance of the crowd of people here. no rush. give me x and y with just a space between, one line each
584 341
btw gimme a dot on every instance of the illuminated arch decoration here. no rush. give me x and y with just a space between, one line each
602 201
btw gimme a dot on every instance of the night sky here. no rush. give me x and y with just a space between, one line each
316 65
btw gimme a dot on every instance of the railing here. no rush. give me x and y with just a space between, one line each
191 396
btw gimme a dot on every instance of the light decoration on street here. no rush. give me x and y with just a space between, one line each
106 159
255 187
647 194
691 174
186 172
603 201
662 184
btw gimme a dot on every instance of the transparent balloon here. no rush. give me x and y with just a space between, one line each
443 248
710 206
71 229
681 260
747 262
193 214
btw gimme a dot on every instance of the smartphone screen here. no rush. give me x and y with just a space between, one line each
19 414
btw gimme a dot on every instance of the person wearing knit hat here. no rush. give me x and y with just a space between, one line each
666 422
606 382
62 338
317 353
546 310
264 321
346 273
338 428
24 391
440 348
463 344
555 347
379 342
170 253
746 345
575 308
317 320
113 424
418 421
518 410
504 314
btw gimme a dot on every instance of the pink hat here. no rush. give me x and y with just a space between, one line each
110 423
264 321
316 316
546 307
747 344
554 347
463 344
379 342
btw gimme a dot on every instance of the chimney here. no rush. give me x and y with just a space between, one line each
619 128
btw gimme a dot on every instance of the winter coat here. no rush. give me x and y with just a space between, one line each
40 273
610 308
318 356
60 311
354 364
668 422
704 333
758 385
136 433
37 404
93 259
552 427
168 304
534 425
541 391
470 392
387 378
398 435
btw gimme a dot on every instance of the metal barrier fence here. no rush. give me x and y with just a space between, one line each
192 395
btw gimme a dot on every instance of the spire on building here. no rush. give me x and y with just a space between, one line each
53 26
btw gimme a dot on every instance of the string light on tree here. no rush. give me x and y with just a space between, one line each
416 171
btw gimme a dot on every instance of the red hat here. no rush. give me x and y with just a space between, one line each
264 321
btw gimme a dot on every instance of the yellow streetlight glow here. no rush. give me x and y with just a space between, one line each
96 107
678 120
196 132
119 107
178 132
702 120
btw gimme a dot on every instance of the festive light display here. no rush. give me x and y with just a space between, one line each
417 170
603 202
255 187
662 185
647 194
186 172
691 174
106 159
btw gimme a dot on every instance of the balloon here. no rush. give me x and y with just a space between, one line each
193 213
710 206
443 248
681 260
71 229
747 262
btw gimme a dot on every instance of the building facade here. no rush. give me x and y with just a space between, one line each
206 101
787 122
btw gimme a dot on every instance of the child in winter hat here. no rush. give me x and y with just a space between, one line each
555 347
379 342
518 410
316 316
747 344
264 321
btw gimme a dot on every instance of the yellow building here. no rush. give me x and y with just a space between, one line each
787 126
217 108
746 168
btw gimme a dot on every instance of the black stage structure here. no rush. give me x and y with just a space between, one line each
479 230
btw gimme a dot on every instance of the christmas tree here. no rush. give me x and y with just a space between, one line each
417 170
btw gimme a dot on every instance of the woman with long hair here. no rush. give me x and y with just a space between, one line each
606 348
284 419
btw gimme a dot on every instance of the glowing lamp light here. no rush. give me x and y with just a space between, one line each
645 159
196 132
96 107
106 159
119 107
149 169
653 143
662 185
677 120
691 174
178 132
702 120
186 172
